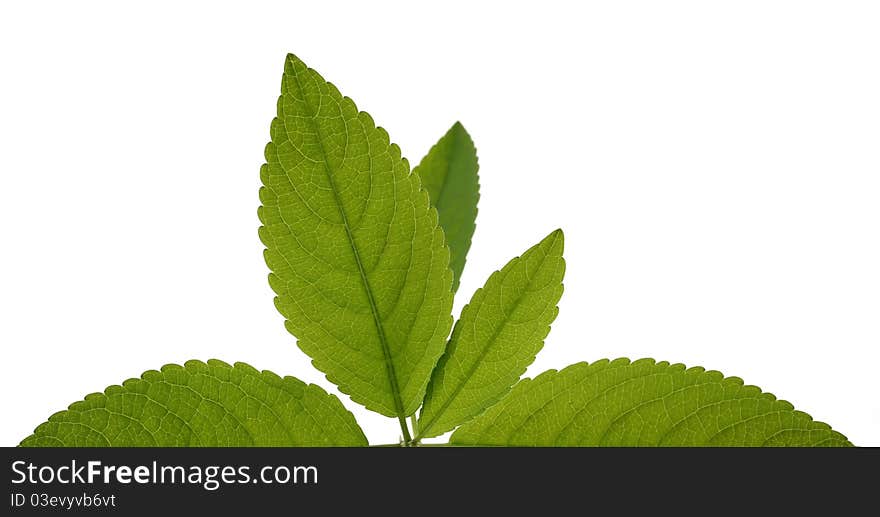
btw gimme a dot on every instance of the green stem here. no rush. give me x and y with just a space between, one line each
407 438
415 427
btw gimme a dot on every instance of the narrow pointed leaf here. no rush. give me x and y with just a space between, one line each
449 174
642 403
499 333
357 257
203 405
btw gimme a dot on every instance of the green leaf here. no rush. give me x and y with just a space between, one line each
357 257
203 405
497 337
642 403
449 174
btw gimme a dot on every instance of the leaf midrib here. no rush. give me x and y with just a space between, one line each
448 158
425 429
457 140
374 310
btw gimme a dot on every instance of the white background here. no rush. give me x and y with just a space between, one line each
714 166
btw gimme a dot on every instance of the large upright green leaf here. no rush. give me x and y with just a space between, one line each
358 260
203 405
496 338
642 403
449 174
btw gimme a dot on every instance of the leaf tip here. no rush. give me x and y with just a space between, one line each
556 237
292 59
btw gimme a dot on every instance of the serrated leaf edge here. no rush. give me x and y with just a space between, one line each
496 277
193 365
681 367
460 131
421 202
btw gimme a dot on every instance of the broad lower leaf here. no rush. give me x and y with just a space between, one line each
357 257
642 403
496 338
449 174
203 405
